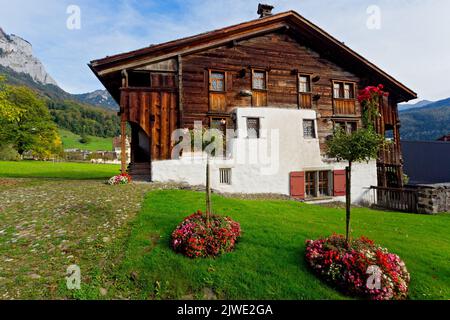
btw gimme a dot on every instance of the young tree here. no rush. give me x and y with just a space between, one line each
361 145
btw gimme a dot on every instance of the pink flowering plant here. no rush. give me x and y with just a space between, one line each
123 178
196 238
359 268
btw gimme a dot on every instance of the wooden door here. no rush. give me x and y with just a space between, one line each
156 112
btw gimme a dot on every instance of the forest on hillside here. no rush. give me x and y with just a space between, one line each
84 120
425 124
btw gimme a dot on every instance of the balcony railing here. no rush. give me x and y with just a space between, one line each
344 106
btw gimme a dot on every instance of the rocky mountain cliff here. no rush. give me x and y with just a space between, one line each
22 68
17 54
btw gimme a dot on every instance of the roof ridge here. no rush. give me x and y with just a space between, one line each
198 35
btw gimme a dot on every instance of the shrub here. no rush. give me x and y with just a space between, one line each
356 268
195 239
8 153
123 178
84 139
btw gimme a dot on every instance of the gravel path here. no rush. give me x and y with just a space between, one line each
45 226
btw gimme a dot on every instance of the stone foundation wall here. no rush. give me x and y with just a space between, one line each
434 198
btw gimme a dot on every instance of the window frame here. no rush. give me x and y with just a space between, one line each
266 79
309 188
309 76
258 131
316 184
342 89
226 176
210 73
314 136
345 122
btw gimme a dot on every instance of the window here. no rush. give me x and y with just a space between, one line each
304 83
139 79
253 128
225 176
309 131
348 126
217 81
338 90
259 81
310 184
343 90
318 184
304 91
348 91
324 183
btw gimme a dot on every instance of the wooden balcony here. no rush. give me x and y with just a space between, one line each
344 106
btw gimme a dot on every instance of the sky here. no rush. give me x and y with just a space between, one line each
410 39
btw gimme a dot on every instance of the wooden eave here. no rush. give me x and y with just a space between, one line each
110 67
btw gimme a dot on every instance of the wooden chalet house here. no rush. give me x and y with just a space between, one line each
279 71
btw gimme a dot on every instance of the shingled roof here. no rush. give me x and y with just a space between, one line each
109 68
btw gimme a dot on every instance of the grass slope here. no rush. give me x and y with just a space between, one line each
268 262
71 140
58 170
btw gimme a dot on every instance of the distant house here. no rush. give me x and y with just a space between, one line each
279 72
117 148
445 138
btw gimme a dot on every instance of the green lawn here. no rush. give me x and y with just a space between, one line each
72 141
59 170
268 262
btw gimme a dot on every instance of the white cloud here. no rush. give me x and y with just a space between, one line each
412 44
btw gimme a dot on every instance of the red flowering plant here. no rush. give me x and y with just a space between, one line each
199 236
370 98
360 268
123 178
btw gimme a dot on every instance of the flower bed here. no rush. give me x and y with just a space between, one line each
363 269
195 239
123 178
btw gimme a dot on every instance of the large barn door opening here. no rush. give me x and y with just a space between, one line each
154 115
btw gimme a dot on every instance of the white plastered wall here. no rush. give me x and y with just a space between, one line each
263 165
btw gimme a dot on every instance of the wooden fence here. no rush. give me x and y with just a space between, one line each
405 200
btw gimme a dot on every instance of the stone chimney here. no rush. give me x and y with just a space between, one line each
265 10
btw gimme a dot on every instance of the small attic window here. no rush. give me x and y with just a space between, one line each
139 79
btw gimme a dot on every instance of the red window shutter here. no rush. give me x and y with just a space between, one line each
297 182
340 185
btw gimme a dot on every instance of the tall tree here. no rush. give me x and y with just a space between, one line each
31 129
8 110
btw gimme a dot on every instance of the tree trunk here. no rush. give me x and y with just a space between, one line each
208 192
348 200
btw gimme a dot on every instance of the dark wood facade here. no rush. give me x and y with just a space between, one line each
283 61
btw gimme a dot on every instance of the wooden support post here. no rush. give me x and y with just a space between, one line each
348 200
123 146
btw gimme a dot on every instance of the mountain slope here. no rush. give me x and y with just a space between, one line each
426 123
420 104
100 98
